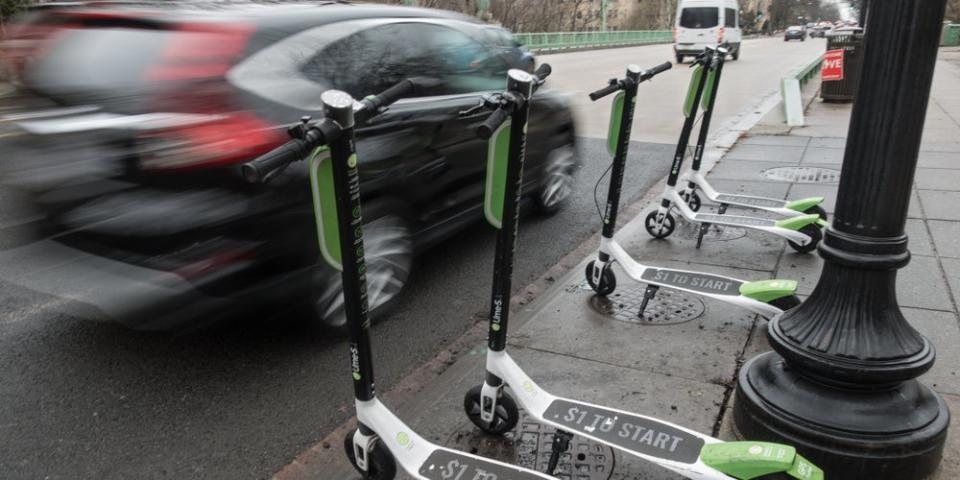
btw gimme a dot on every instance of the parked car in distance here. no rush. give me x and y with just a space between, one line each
706 23
794 33
149 112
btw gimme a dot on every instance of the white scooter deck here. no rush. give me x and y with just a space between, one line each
425 461
763 224
718 287
747 201
665 444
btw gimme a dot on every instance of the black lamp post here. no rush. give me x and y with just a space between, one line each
841 384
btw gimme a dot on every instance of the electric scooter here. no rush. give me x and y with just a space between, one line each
766 297
802 232
381 439
695 180
491 408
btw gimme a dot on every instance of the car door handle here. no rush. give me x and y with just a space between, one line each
432 169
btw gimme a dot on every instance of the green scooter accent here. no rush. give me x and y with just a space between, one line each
691 101
796 223
325 206
616 115
498 148
748 460
803 204
767 291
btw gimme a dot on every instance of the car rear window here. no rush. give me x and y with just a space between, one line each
730 18
700 17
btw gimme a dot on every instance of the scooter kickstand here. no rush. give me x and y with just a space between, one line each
648 295
722 209
703 231
561 443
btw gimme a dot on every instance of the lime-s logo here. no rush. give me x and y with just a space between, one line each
355 361
403 439
352 161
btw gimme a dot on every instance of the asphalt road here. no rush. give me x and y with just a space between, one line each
89 400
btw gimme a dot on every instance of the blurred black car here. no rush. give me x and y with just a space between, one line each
133 157
794 33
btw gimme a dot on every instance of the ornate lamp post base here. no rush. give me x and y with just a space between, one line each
894 433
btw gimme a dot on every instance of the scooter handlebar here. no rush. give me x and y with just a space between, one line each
268 165
543 71
603 92
492 123
648 74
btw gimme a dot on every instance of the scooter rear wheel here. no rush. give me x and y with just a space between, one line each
816 210
505 414
659 231
380 462
608 281
813 231
786 303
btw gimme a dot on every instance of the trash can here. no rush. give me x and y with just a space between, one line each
850 41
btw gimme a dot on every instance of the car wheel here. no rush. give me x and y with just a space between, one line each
736 53
557 182
388 247
679 59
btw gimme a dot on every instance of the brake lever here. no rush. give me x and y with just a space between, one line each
299 130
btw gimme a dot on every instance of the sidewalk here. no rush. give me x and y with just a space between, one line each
681 366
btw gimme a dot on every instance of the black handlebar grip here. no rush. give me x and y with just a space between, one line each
603 92
543 71
260 169
663 67
492 123
396 92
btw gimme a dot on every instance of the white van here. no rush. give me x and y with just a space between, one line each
702 23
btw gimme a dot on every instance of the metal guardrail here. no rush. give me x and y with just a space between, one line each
951 36
791 89
546 41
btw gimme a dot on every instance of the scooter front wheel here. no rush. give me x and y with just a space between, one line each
664 229
608 281
693 201
505 414
380 462
813 231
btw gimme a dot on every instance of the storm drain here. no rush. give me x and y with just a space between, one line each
668 307
802 174
529 446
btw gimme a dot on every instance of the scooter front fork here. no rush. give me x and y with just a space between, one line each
488 401
362 444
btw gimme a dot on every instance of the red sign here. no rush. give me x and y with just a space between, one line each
832 65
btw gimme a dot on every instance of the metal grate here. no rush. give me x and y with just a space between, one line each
668 307
716 233
529 446
802 174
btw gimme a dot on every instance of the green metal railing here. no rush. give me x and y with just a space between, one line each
565 40
791 87
951 36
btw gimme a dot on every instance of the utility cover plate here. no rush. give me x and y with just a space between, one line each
669 307
530 445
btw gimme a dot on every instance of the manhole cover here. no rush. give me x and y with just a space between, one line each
529 446
667 308
715 233
802 174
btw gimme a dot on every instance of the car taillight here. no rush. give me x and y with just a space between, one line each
720 35
674 34
236 137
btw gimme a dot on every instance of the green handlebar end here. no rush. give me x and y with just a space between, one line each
768 290
749 460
